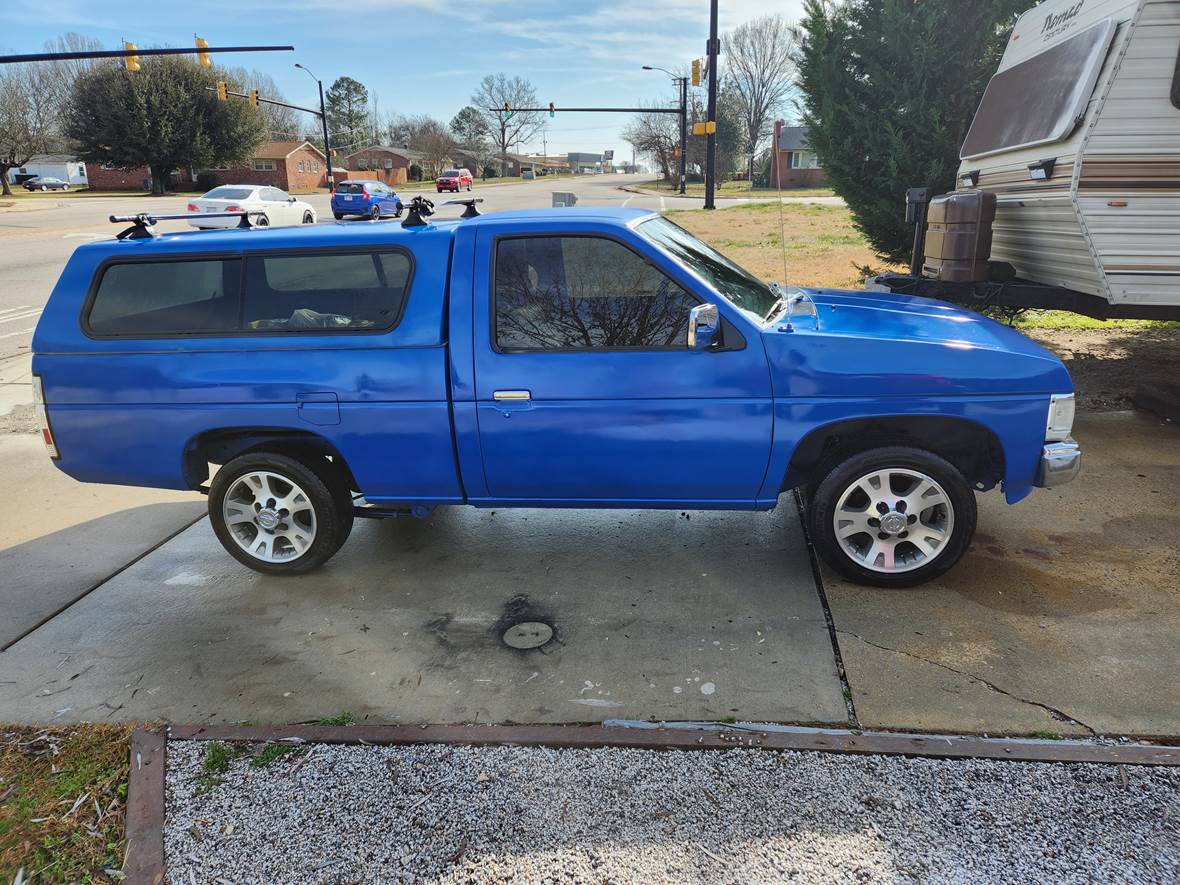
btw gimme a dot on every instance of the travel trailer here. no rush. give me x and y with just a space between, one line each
1075 153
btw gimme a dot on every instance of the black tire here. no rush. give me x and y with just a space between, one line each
325 489
262 221
375 213
339 216
398 212
307 219
841 478
44 188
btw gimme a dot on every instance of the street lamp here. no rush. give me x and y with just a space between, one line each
683 82
324 123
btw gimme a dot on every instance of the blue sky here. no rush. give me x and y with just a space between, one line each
422 56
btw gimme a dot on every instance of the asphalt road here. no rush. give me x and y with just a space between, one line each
37 242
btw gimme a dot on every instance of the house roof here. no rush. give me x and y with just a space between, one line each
405 153
52 158
280 150
793 138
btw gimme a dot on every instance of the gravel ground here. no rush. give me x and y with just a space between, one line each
335 814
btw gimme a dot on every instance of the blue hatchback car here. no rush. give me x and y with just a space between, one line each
368 199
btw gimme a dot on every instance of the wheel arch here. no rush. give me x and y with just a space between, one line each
973 448
223 445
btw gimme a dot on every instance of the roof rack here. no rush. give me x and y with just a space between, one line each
143 222
471 211
420 209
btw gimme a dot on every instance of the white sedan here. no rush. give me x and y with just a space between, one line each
266 205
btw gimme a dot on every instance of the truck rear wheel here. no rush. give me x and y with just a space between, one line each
892 517
278 515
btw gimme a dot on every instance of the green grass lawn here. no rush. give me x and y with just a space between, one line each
735 189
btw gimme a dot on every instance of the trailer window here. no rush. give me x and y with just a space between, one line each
1042 99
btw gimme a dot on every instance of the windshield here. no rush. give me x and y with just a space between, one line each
740 286
229 193
451 173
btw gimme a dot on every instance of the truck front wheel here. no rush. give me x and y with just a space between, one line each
278 515
892 517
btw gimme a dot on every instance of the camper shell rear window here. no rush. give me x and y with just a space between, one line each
1042 99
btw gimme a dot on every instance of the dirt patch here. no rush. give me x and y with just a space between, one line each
1107 364
22 419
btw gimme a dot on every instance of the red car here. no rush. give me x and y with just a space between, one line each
454 180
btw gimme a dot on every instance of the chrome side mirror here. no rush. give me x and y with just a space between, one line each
704 324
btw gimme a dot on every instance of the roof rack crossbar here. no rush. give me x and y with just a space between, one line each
143 222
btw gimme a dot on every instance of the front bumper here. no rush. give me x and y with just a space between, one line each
1060 463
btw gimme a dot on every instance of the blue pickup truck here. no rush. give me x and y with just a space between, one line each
549 358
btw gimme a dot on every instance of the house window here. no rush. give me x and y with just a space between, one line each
315 165
573 293
803 160
264 165
362 163
300 165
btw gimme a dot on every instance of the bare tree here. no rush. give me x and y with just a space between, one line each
29 117
656 136
282 124
759 69
515 127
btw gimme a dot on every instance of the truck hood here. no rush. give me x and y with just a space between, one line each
882 343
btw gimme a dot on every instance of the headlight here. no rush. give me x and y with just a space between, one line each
1060 421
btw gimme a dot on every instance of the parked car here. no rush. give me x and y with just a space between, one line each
588 358
266 205
368 199
454 180
46 183
528 175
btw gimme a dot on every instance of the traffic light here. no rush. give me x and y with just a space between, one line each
222 91
203 58
132 61
707 128
254 97
552 110
696 72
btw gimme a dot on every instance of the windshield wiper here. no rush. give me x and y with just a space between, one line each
781 301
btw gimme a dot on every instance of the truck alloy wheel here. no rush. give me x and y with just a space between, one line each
893 517
278 515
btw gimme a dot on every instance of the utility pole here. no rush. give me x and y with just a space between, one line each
712 50
324 123
683 133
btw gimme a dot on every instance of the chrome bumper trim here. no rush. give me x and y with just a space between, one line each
1060 463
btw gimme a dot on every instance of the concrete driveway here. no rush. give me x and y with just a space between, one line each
656 615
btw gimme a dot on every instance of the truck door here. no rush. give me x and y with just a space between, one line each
586 392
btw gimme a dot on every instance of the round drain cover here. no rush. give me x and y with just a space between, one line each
528 634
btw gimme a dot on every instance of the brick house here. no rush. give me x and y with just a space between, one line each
792 162
290 165
380 162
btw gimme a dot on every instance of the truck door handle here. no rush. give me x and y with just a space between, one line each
511 395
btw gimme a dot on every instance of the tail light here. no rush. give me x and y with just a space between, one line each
192 207
234 209
365 194
43 417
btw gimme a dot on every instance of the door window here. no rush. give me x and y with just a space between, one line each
578 293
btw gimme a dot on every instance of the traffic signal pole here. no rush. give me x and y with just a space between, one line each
327 145
134 53
683 133
712 50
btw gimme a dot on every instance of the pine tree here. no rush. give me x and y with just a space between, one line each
889 90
